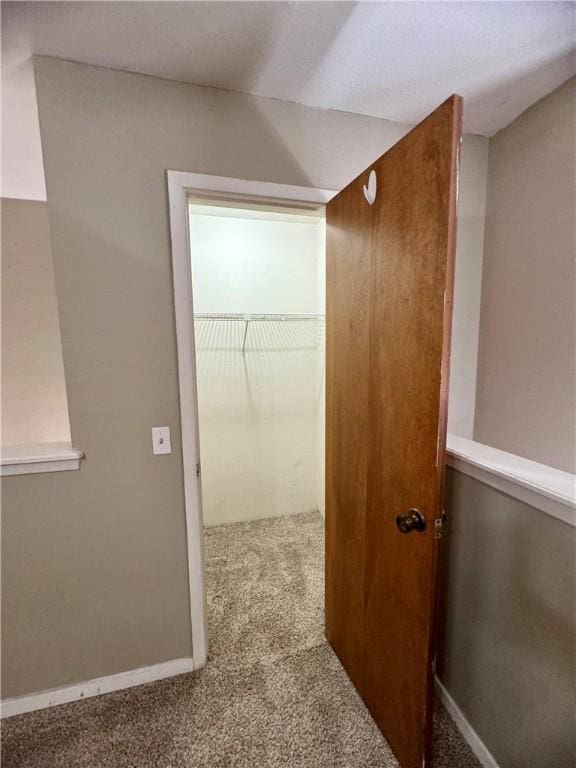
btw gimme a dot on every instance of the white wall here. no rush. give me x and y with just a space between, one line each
260 411
257 262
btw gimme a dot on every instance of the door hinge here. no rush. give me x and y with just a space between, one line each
439 525
197 469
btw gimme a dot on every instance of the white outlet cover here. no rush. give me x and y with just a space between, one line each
161 440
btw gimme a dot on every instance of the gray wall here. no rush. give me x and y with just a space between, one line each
508 624
34 407
94 565
527 352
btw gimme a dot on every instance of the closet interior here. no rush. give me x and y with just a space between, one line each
258 284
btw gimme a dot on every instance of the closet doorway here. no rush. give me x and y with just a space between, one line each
258 288
258 348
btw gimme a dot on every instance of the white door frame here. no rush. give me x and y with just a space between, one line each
180 186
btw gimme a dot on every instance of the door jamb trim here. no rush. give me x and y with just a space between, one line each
180 186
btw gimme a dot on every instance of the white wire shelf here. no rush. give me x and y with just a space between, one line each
249 318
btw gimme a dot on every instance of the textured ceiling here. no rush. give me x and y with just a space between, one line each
395 60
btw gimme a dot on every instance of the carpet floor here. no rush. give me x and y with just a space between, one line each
273 695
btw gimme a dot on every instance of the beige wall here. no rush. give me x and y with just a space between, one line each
527 354
95 578
468 285
34 407
508 624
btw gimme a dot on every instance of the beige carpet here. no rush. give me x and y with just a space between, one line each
265 585
273 693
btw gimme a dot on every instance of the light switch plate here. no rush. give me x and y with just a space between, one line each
161 440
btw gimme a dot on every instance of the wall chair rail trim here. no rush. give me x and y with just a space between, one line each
548 489
38 458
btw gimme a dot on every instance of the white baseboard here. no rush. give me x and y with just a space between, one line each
100 685
468 733
51 698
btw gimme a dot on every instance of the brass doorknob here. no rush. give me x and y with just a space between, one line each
413 520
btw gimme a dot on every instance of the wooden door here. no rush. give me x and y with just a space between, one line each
390 275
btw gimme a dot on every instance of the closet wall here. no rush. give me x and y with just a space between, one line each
260 381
